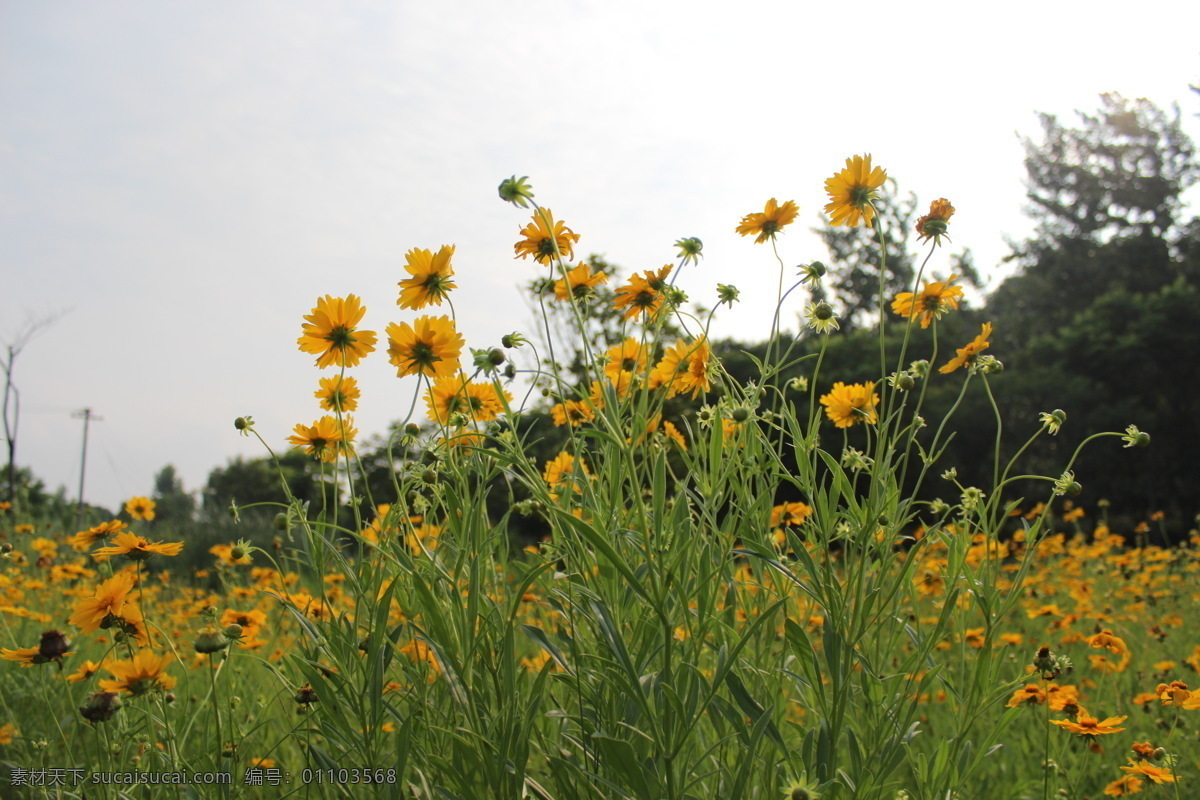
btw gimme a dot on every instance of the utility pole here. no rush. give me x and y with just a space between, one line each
87 416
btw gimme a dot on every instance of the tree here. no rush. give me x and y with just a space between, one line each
172 502
1121 172
1101 319
12 398
258 480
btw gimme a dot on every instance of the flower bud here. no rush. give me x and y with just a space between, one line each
209 641
516 191
412 429
305 695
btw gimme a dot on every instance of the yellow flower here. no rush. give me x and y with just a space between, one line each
684 369
628 356
1122 787
933 224
430 281
1087 725
790 514
478 402
331 332
108 606
430 347
564 467
966 355
338 393
320 440
145 672
546 242
580 280
85 539
849 404
85 671
140 508
25 656
573 413
852 191
931 303
7 733
768 223
137 548
643 294
1156 774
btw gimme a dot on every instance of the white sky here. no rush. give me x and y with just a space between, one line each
184 179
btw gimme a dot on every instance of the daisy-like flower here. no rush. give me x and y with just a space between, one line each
53 647
684 369
478 402
320 440
933 224
331 332
85 671
967 355
931 303
564 467
339 393
848 404
1156 774
86 539
769 222
546 242
1123 787
430 278
140 508
643 294
1087 725
852 191
110 600
573 413
430 347
790 514
145 672
137 548
25 656
627 357
578 282
1031 695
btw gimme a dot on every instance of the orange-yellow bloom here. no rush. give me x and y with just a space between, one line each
140 508
546 242
430 347
145 672
1087 725
967 355
332 335
577 282
643 294
848 404
430 278
933 224
137 548
768 223
931 303
852 191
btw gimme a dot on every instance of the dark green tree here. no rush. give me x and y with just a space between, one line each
172 502
258 480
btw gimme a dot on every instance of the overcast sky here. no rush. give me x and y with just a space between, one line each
181 181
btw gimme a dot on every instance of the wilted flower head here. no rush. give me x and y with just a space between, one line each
933 224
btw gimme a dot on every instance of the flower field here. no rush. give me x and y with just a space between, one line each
739 588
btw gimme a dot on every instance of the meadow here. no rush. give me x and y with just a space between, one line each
745 589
